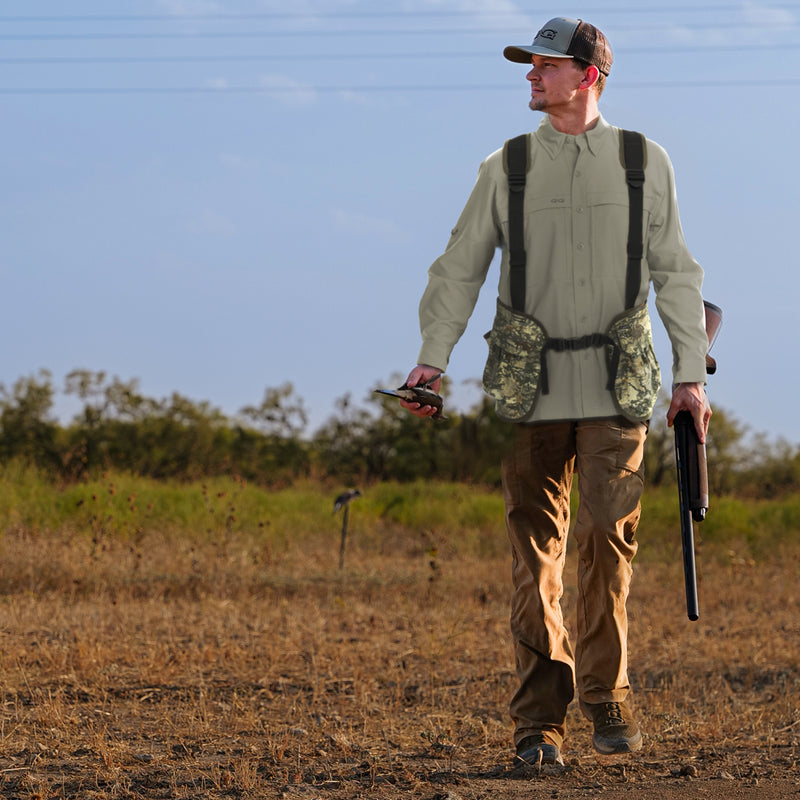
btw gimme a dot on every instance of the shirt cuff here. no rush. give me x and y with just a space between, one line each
434 356
690 374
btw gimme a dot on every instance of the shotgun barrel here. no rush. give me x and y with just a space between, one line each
690 456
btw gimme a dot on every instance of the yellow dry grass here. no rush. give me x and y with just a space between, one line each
175 667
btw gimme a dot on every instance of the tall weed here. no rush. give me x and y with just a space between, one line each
451 517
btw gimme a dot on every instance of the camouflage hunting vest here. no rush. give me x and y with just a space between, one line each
516 370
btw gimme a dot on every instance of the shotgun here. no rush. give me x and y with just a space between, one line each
690 458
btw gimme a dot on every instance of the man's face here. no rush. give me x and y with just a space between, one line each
554 83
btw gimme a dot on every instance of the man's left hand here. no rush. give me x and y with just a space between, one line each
691 397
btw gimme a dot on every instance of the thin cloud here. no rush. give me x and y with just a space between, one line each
351 96
765 19
234 161
307 13
213 224
217 83
360 224
190 8
754 24
488 13
288 91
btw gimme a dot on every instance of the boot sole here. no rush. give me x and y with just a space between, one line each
610 747
543 754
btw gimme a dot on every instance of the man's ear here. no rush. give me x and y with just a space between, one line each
590 77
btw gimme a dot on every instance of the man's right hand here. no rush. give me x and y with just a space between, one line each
419 376
691 397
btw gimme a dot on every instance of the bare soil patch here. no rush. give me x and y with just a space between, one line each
197 669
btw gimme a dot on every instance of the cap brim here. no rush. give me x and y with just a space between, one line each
522 54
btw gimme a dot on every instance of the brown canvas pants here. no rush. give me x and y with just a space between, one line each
607 456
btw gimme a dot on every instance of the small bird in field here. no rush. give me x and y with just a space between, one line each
344 498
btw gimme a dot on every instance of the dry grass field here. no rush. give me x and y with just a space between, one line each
167 665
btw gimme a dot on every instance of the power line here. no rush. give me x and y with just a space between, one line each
327 90
357 56
422 14
24 37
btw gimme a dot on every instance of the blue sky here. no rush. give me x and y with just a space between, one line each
218 197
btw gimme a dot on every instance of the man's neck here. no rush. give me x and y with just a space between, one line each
574 122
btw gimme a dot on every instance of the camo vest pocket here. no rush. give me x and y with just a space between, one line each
634 374
513 373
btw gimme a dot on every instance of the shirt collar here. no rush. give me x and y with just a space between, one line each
553 141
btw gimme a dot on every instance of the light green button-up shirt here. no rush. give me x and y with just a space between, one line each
576 232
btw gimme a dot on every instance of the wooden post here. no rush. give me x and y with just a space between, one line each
344 536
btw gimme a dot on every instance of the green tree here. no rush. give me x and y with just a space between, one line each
772 469
341 447
180 438
268 441
27 428
99 432
726 451
281 413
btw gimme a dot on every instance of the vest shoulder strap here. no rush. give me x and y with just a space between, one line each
515 163
633 154
633 157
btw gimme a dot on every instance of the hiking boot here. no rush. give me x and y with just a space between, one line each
615 729
537 749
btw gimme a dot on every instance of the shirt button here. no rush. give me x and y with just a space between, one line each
578 173
580 245
579 209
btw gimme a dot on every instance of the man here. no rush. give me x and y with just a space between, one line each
568 397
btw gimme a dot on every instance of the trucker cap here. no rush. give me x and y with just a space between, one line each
562 37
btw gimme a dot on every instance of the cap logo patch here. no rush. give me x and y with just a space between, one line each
547 33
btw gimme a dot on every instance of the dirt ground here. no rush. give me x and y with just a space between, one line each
202 674
135 761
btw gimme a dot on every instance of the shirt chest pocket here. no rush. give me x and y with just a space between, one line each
546 221
608 214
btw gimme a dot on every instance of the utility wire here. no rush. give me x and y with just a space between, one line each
357 56
327 90
26 37
423 14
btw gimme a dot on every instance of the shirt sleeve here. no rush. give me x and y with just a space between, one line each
456 277
678 281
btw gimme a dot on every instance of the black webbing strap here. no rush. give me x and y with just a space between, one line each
578 343
517 167
560 345
632 154
633 161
